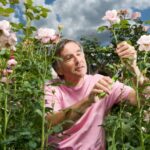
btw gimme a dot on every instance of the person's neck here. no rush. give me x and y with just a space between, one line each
74 82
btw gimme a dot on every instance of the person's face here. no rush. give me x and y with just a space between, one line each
73 65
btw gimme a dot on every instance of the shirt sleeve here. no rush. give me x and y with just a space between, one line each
52 98
119 93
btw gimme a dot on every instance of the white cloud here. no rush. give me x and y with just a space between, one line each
82 17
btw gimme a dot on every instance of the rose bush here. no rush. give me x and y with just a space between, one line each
120 126
131 29
25 71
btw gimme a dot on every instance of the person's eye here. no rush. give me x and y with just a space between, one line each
67 58
79 54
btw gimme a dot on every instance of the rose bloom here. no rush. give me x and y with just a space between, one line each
12 40
135 15
3 41
146 28
60 27
147 116
123 12
5 27
144 42
45 35
111 16
11 62
8 41
4 79
7 71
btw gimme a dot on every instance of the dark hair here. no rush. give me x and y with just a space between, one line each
59 47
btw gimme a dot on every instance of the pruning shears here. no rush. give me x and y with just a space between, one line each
114 78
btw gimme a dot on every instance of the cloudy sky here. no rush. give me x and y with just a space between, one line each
81 17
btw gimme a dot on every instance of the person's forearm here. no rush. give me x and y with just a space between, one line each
72 113
142 81
140 77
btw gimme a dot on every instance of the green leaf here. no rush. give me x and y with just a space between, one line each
12 2
147 22
2 52
58 128
102 28
37 17
16 26
39 112
44 14
4 2
29 2
6 11
30 15
25 133
32 144
44 9
36 10
116 25
124 24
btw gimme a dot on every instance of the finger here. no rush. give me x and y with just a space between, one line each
121 44
103 87
126 49
124 53
107 79
130 56
128 52
122 48
103 82
48 115
97 91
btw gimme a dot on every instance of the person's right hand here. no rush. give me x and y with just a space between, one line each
102 86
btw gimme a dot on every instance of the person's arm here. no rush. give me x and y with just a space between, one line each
72 113
75 111
132 97
126 51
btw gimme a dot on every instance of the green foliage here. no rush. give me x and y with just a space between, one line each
6 11
100 59
26 95
35 12
4 2
123 131
22 110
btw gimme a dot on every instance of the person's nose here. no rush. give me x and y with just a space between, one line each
77 59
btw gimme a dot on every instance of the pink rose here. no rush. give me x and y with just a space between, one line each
144 42
8 41
111 16
7 71
12 39
56 38
45 35
135 15
123 12
3 41
147 115
146 28
5 27
4 79
11 62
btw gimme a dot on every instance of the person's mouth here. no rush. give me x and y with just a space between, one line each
79 68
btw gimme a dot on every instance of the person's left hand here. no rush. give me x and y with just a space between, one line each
127 52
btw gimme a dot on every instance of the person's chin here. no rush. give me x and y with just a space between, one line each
81 70
81 74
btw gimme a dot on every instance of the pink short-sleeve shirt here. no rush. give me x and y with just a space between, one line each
87 133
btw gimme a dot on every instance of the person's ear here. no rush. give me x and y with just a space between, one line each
59 70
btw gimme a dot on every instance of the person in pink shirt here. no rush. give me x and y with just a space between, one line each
77 98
